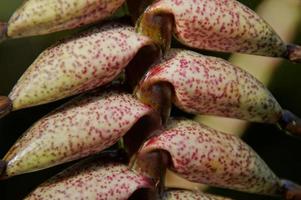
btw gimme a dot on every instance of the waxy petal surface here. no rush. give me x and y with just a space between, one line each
82 127
201 154
98 180
212 86
78 64
37 17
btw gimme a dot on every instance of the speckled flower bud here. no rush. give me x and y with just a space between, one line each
78 64
84 126
212 86
219 25
201 154
37 17
93 180
209 85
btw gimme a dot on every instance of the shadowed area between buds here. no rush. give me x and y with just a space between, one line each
294 53
159 27
136 8
290 123
3 30
5 106
140 64
109 155
144 193
290 190
143 129
2 167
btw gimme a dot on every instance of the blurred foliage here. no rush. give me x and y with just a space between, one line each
279 151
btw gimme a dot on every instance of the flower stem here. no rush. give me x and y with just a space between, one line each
3 31
290 190
5 106
294 53
290 123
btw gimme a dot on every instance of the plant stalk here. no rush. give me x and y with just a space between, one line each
294 53
5 106
290 123
3 31
290 190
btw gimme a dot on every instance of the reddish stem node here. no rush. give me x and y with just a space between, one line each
294 53
290 190
3 31
5 106
290 123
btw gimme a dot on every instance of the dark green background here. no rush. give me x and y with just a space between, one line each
280 152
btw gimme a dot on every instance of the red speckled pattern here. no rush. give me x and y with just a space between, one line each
77 65
190 195
36 17
99 181
81 127
212 86
220 25
201 154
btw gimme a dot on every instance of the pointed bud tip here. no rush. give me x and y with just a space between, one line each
291 123
290 190
3 31
294 53
5 106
